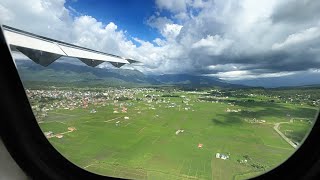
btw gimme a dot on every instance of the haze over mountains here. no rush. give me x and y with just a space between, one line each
66 72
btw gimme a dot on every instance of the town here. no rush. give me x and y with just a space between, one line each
43 101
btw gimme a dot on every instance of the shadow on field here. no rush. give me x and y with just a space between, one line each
254 104
227 120
298 135
275 110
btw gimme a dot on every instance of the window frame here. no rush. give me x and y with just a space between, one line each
32 151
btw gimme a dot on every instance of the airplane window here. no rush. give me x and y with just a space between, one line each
199 89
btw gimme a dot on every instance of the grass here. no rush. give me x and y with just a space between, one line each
297 130
146 146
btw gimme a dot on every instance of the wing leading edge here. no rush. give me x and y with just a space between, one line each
44 51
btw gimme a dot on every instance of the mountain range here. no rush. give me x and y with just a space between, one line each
75 74
61 72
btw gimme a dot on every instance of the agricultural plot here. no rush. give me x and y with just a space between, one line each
296 130
159 136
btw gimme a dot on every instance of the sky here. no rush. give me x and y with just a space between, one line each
228 39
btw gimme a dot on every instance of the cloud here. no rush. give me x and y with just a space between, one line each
222 38
159 42
297 12
173 6
307 35
198 4
158 22
165 26
298 78
74 12
244 34
171 31
88 32
239 75
5 14
181 6
212 45
47 18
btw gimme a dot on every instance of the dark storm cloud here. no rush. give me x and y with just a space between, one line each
267 62
255 45
282 61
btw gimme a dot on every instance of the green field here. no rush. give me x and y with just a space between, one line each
146 145
296 130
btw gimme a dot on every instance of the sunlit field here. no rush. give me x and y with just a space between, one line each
169 133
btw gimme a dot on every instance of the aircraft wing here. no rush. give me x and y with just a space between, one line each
44 51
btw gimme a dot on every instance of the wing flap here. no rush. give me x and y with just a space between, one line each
90 62
116 64
40 57
132 61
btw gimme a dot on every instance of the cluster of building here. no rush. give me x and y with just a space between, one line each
254 120
233 110
301 99
43 101
50 134
179 131
222 156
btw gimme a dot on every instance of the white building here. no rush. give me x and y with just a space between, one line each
222 156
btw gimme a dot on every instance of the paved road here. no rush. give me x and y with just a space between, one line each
276 128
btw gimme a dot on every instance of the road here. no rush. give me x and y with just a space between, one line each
61 133
276 128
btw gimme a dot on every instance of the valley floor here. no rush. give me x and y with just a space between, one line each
155 136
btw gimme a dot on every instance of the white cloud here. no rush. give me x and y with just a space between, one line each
181 6
88 32
159 42
227 67
198 3
173 6
171 31
5 14
240 75
298 38
158 22
231 75
165 26
212 45
183 16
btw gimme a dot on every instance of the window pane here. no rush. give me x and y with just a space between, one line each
221 89
157 131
